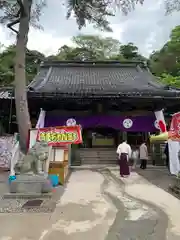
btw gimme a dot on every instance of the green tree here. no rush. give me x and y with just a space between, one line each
68 53
172 5
33 59
7 66
169 80
97 48
167 59
129 51
89 47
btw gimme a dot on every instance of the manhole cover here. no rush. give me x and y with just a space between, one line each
32 203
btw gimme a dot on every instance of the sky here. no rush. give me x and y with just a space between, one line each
147 27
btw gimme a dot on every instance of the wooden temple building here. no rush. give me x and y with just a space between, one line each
108 99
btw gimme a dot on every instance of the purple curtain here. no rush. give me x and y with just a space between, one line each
133 124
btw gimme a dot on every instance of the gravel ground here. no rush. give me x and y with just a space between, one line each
16 205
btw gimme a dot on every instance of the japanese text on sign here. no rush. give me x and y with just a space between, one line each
60 135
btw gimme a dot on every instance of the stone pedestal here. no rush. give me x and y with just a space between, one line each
27 184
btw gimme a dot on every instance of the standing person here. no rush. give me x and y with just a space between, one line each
166 152
124 153
135 156
143 151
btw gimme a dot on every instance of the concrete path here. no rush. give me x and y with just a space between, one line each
97 204
167 205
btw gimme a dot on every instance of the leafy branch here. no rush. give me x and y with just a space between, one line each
12 12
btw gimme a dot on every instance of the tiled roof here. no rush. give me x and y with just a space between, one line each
96 78
6 93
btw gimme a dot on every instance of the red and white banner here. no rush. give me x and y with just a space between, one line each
174 132
160 121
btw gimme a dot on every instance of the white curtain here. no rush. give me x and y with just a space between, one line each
15 157
174 148
32 137
41 119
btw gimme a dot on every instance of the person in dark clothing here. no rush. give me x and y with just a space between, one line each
166 152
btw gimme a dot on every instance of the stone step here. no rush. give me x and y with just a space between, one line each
99 162
101 157
98 157
97 153
76 164
97 150
108 156
90 156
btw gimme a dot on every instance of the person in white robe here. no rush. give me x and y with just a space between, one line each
124 153
143 152
135 157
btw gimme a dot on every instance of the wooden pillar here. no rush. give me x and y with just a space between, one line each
99 108
120 137
157 150
124 135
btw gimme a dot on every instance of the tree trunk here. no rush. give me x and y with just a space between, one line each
22 111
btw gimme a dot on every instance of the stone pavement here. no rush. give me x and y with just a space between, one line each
98 204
